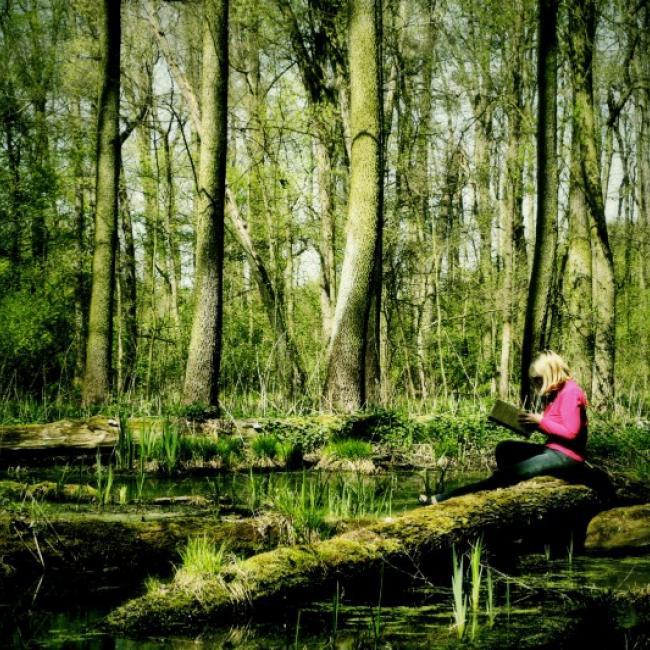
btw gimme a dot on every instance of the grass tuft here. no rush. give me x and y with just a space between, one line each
349 449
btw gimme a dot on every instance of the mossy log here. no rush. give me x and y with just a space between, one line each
620 529
125 543
20 443
417 542
47 491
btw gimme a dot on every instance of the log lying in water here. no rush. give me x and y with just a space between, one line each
118 542
413 542
21 443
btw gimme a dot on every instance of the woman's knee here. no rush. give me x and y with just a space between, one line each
503 452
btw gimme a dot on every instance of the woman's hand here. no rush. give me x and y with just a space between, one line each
526 418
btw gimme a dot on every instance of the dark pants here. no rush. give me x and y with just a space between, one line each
518 461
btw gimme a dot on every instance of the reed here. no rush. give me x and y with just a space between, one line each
459 597
476 573
490 608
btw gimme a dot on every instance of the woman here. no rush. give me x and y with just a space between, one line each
564 422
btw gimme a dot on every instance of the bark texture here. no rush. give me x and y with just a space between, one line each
97 376
118 542
345 381
204 355
535 327
582 31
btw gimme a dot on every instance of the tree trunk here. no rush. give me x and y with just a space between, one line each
204 354
171 252
345 381
582 30
327 243
80 288
128 292
576 285
535 327
125 544
97 378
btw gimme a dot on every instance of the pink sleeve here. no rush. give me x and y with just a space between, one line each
563 419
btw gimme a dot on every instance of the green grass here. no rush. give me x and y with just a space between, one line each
349 449
476 573
201 557
265 446
312 507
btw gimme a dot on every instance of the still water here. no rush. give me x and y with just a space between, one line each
534 602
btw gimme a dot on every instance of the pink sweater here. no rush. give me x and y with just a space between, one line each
565 421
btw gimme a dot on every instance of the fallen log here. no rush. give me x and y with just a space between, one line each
21 443
415 542
122 543
47 491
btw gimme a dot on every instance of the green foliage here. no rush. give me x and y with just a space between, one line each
306 433
350 449
170 448
201 557
229 450
459 597
35 325
290 454
265 446
197 412
304 512
620 443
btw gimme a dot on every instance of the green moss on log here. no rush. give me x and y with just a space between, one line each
529 509
620 529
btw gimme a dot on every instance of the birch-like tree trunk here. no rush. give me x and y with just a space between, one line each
204 355
345 380
97 376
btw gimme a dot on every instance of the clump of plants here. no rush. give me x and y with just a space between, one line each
201 558
265 446
307 433
349 449
229 450
304 512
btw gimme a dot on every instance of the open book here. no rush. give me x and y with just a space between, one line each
506 415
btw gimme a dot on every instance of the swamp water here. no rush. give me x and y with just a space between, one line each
534 602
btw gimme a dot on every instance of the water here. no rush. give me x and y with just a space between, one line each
535 598
537 602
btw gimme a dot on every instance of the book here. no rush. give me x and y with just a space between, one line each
506 415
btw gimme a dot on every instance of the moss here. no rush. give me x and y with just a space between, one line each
529 509
47 491
620 529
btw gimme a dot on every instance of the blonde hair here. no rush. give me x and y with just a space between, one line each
552 369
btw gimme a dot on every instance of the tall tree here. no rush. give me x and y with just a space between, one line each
582 32
204 355
345 380
535 326
97 377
